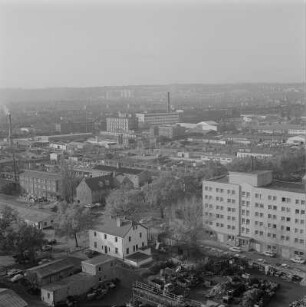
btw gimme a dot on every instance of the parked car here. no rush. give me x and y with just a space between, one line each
268 253
235 249
298 259
14 272
16 278
46 248
51 242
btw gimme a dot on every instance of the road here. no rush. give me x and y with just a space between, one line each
219 247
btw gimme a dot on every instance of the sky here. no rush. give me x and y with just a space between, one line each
84 43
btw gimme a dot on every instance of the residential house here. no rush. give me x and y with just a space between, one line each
37 217
120 238
94 189
137 176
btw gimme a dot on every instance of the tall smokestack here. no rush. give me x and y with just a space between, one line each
168 103
10 129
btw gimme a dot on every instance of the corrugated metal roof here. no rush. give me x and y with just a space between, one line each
51 268
8 298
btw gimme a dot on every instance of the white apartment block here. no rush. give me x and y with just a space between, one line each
156 119
118 237
255 212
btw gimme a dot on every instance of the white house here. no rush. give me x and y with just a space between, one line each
121 238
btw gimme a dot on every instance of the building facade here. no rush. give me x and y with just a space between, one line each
118 237
171 131
94 189
255 212
121 124
151 119
40 184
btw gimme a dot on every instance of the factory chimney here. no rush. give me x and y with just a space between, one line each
10 129
168 103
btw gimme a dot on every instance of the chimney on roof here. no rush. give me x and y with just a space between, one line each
118 222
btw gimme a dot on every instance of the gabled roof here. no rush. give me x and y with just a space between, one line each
123 170
8 298
40 174
53 267
109 226
99 183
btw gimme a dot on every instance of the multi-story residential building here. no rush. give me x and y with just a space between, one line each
151 119
121 124
120 238
40 184
252 210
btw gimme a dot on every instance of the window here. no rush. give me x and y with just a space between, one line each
99 269
95 234
105 236
142 244
297 211
140 235
283 199
129 239
116 239
127 251
48 295
287 228
95 244
116 250
288 219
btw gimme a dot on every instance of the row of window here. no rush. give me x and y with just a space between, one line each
116 238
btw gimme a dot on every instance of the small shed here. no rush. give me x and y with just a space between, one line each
77 284
102 266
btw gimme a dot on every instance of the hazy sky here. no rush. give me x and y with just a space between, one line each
95 43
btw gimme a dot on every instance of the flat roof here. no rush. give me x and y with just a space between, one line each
295 187
67 281
33 215
138 256
98 259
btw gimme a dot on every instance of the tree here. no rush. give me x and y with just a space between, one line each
125 202
186 221
25 239
17 236
163 192
69 182
72 219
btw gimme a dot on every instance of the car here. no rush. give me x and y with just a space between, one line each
261 260
268 253
14 272
298 260
235 249
16 278
46 248
51 242
284 265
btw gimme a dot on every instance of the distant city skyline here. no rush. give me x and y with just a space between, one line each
115 43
